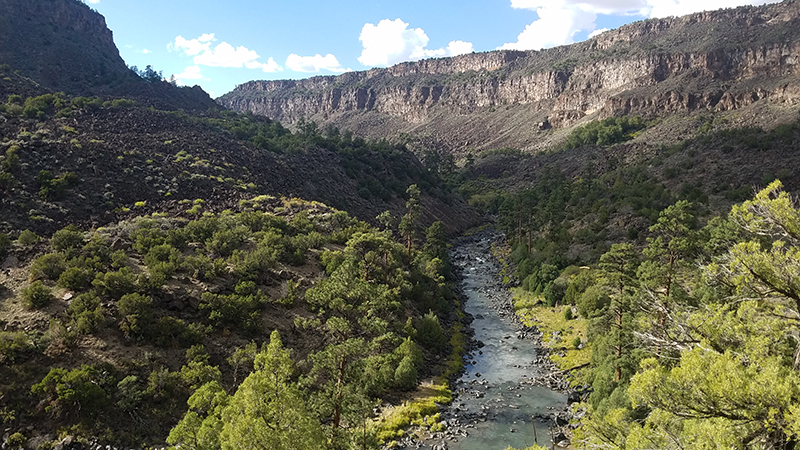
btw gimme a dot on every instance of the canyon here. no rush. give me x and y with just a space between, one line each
716 61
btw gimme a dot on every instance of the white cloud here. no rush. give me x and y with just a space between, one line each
189 73
93 1
314 63
145 51
664 8
560 20
204 53
596 32
391 41
555 26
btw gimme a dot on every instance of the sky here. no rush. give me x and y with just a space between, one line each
219 45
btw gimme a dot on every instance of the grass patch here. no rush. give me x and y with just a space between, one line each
558 333
421 411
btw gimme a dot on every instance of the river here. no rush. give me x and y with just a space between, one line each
495 399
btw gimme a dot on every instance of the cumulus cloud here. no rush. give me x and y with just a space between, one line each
561 20
189 73
665 8
555 26
314 63
391 41
205 53
596 32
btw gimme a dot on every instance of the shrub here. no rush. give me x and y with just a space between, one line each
163 258
429 332
116 284
86 313
146 237
13 343
49 265
75 391
36 296
16 440
7 182
11 162
67 238
5 242
75 279
568 314
136 311
28 237
405 377
224 242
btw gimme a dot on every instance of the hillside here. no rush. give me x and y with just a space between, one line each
65 46
151 255
716 61
121 159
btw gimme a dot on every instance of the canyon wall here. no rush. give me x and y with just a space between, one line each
717 61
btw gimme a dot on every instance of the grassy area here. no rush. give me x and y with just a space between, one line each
558 333
422 409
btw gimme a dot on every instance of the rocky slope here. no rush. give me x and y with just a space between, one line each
712 61
64 45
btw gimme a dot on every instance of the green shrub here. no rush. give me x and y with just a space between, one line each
146 237
49 265
67 238
11 162
75 278
52 188
5 242
36 295
7 182
430 333
76 391
86 313
27 238
576 342
224 242
16 441
568 314
14 343
593 302
136 311
406 375
163 258
204 268
253 265
606 132
116 284
235 311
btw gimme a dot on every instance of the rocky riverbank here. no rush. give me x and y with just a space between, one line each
510 392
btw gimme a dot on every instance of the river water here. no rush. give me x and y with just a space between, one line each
494 400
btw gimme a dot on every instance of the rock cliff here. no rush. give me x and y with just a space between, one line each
717 61
64 45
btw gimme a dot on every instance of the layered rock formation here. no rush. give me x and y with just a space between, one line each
716 61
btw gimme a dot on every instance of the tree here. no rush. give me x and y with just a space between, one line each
735 382
618 267
268 410
407 223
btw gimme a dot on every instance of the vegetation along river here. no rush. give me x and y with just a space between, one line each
497 401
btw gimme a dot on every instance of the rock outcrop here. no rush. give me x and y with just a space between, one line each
64 45
718 61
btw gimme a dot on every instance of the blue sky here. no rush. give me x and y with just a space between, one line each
221 44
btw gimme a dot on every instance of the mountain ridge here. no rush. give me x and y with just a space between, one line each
718 61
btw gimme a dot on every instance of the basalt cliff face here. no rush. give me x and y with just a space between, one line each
63 45
715 61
